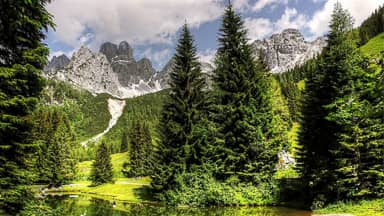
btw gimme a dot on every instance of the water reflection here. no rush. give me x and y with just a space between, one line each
82 206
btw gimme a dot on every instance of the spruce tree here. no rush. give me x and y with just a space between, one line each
124 143
178 148
248 136
140 161
102 167
317 159
359 113
56 159
22 57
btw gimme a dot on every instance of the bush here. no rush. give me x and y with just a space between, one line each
202 189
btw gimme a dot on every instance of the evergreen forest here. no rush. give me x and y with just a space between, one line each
199 143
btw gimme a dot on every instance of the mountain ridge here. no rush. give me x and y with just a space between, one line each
114 70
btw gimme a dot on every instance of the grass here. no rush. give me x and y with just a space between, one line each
123 189
133 190
361 208
84 168
374 46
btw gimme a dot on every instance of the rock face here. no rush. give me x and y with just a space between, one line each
283 51
113 70
58 63
163 77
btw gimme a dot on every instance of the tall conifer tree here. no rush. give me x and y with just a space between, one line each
178 148
102 166
124 143
140 154
22 57
319 136
249 138
56 162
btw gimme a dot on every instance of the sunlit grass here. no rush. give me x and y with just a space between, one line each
361 208
84 168
374 46
124 189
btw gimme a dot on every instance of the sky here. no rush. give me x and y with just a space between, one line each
152 27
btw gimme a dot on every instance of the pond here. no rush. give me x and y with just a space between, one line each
84 206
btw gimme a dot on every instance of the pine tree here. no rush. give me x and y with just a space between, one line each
149 162
178 149
317 158
124 143
22 57
102 167
140 161
248 136
359 113
56 159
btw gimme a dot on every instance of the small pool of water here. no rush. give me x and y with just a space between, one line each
85 206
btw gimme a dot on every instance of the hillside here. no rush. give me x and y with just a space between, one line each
374 46
88 114
144 108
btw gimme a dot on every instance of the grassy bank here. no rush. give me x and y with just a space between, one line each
361 208
84 168
135 190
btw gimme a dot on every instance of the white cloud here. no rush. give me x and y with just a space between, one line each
207 55
259 28
291 19
359 9
260 4
241 5
158 57
137 21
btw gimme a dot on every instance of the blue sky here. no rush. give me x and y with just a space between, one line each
151 27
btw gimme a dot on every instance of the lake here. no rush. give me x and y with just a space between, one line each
85 206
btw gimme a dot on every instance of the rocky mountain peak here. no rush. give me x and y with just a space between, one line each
83 53
113 70
109 50
287 49
125 50
58 62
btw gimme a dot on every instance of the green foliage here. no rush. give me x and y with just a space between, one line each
140 161
38 207
360 208
84 168
359 114
291 86
88 114
102 167
124 143
56 158
248 132
317 136
341 133
147 108
374 47
200 188
179 147
372 26
22 57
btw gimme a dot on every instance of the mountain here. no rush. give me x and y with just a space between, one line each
284 51
113 71
57 63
